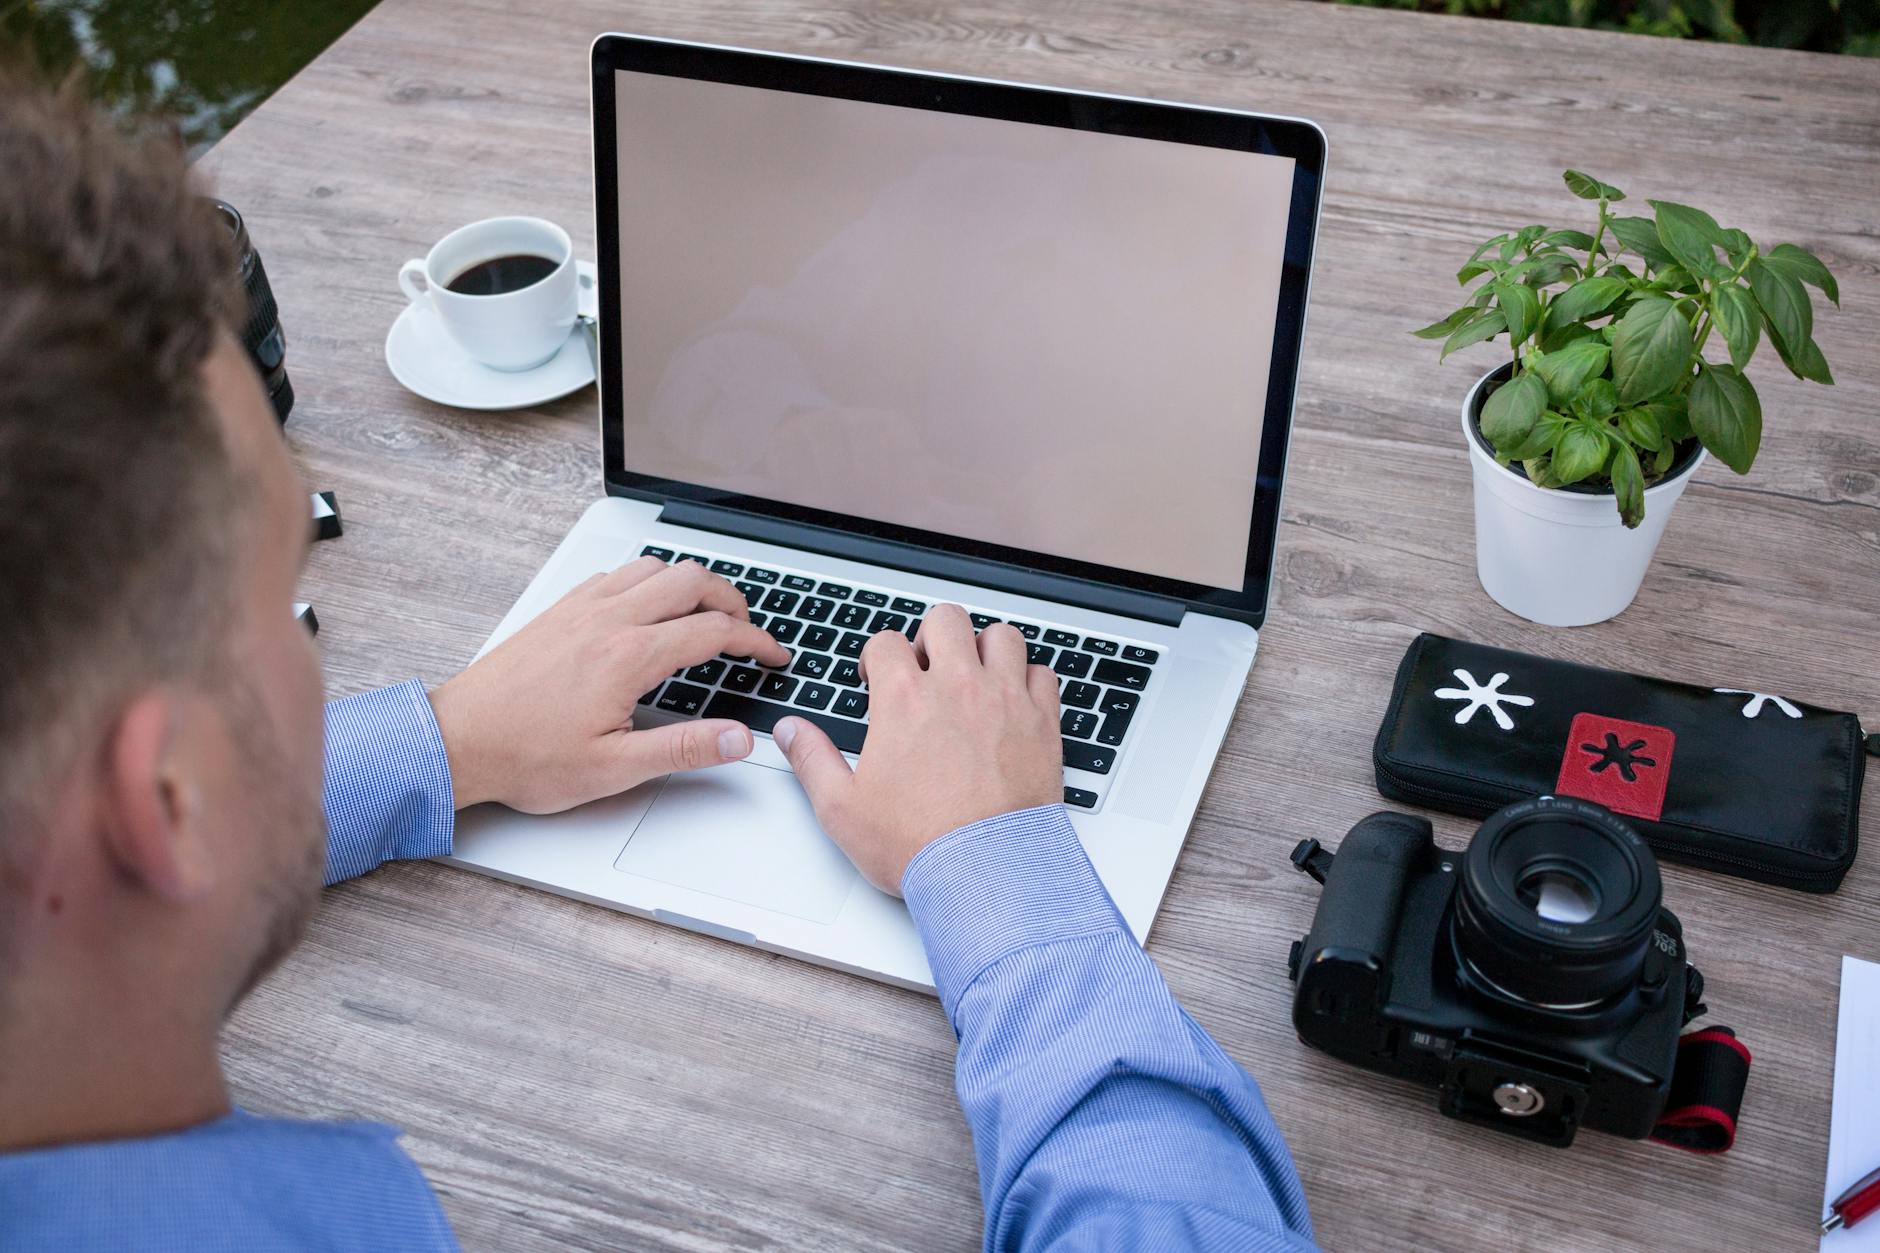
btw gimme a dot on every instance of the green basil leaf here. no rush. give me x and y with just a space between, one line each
1670 278
1806 364
1641 236
1597 399
1565 239
1572 333
1487 265
1692 236
1651 350
1581 452
1586 187
1522 307
1733 312
1486 244
1640 428
1673 417
1661 460
1628 483
1542 269
1585 299
1726 415
1568 369
1541 439
1509 415
1484 325
1440 330
1784 301
1540 471
1804 265
1738 245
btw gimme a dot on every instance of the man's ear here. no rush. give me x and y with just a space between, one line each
153 811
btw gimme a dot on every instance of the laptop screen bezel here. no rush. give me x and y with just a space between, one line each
1220 128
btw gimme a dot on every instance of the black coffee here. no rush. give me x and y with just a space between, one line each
503 274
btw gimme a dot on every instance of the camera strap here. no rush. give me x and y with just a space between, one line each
1707 1083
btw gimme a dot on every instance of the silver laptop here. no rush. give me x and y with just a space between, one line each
871 340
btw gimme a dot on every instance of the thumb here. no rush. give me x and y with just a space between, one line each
819 764
683 746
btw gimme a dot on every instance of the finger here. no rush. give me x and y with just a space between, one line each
1043 687
946 638
632 574
885 657
819 765
697 637
1002 651
643 755
680 590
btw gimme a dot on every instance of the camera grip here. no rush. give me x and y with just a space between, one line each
1356 923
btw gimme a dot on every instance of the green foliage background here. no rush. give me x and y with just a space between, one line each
1851 26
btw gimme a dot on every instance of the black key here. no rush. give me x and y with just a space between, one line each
835 591
1122 674
743 679
846 673
730 569
664 554
758 619
852 617
885 621
815 609
784 630
1115 727
1102 648
798 583
915 607
875 599
1115 702
648 698
811 666
1136 652
982 620
852 704
683 698
1079 724
756 575
1027 630
1075 665
913 629
703 561
761 716
776 687
1083 755
1061 639
706 672
1038 655
1080 695
752 593
1080 798
780 601
851 645
816 696
821 638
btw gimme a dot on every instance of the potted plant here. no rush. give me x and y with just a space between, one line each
1629 346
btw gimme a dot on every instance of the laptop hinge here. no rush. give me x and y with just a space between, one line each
883 552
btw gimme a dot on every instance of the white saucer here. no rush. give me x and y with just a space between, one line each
423 356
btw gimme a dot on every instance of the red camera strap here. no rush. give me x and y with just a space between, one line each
1707 1085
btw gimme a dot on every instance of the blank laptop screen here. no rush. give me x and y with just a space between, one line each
1052 339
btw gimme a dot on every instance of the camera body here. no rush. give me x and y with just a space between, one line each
1534 980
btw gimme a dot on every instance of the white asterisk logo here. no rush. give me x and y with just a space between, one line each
1757 700
1487 696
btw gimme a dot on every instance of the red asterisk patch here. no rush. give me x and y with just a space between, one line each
1625 766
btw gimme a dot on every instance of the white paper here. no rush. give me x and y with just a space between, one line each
1854 1137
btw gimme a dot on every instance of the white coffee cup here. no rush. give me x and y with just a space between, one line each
513 330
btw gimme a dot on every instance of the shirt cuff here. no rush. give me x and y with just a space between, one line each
388 790
1000 885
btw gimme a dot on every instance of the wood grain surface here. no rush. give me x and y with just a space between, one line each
573 1078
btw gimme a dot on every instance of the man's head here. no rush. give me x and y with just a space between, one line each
159 707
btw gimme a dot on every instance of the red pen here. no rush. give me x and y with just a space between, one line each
1854 1204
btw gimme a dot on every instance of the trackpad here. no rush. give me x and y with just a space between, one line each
745 833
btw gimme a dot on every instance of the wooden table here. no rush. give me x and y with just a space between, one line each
572 1077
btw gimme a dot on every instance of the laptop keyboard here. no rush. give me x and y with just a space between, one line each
1100 680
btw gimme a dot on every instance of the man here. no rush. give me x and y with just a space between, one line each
160 807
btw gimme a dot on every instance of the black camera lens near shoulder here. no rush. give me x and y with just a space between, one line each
1557 903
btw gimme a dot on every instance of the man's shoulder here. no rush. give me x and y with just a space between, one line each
239 1182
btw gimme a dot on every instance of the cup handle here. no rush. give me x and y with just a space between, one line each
412 281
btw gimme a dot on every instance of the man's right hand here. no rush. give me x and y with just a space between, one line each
959 728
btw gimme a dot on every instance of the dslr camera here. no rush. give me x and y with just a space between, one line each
1535 981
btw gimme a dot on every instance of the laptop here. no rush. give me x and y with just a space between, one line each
871 340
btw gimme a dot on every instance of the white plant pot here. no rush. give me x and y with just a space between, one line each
1557 557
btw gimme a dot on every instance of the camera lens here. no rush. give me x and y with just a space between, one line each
261 334
1557 903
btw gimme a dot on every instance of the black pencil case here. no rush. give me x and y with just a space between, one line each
1746 783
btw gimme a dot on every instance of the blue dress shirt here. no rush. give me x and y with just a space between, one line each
1102 1115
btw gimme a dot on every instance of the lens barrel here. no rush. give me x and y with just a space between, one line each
261 333
1554 848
